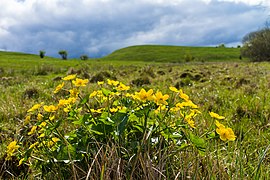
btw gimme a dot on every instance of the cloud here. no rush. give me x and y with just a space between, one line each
98 27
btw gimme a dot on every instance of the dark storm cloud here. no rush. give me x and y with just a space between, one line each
97 27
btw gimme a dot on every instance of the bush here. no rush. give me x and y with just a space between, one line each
63 54
113 133
42 54
257 45
84 57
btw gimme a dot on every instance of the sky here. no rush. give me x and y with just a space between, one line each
99 27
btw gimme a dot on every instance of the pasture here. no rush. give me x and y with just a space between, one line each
236 89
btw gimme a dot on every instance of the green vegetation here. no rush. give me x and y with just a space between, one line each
257 45
237 90
174 54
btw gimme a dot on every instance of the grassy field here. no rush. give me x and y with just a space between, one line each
174 54
238 90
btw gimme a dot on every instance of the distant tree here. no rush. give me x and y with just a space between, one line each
63 54
256 45
221 46
42 54
83 57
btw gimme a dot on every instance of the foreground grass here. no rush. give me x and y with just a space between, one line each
238 91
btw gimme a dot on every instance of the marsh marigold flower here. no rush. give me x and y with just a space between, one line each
216 116
160 99
69 77
58 88
143 95
50 108
35 107
33 130
80 82
112 82
225 133
11 148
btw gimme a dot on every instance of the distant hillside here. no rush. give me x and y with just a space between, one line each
160 53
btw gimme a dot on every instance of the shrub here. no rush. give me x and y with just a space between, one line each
113 133
84 57
257 45
63 54
42 54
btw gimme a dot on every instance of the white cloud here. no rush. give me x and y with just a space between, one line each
97 27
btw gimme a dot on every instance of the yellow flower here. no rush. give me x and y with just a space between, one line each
216 116
112 82
33 130
143 95
160 99
41 135
186 104
27 120
183 95
93 94
50 108
21 161
58 88
33 145
55 139
122 87
39 117
112 110
35 107
191 123
74 93
43 124
174 89
100 82
225 133
80 82
11 148
69 77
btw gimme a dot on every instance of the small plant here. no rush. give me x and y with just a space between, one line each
112 132
63 54
42 54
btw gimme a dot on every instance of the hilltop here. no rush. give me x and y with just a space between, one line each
161 53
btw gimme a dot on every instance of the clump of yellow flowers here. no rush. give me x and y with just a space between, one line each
62 131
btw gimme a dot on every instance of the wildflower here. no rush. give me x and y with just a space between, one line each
112 82
33 145
74 93
143 95
160 99
39 117
35 107
58 88
33 130
93 94
50 108
100 82
27 120
80 82
55 139
113 110
41 135
11 148
183 95
186 104
69 77
21 161
43 124
225 133
216 116
174 89
122 87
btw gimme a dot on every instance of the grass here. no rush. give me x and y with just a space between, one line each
238 90
174 54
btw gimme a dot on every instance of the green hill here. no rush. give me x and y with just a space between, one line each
160 53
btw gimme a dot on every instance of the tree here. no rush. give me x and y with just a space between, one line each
256 45
42 54
83 57
63 54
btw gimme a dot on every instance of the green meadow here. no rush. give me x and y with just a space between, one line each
145 144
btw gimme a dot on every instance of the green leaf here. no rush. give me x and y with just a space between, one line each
198 142
85 99
106 92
